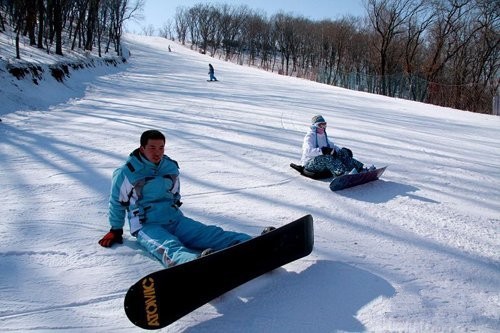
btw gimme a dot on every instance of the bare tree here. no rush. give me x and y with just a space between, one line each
414 49
192 22
18 8
486 48
30 24
92 19
148 30
41 22
166 30
206 16
181 24
230 25
79 9
448 38
103 16
121 11
475 66
286 41
448 23
58 6
251 36
336 40
388 18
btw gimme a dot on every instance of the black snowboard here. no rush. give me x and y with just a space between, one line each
162 297
346 181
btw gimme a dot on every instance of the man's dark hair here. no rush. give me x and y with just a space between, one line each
151 135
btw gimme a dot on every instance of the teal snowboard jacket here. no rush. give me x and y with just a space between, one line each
148 194
144 192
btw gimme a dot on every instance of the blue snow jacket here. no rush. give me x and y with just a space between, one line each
145 192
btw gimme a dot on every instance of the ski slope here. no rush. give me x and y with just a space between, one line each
416 251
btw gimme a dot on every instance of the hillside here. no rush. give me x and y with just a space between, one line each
415 251
34 80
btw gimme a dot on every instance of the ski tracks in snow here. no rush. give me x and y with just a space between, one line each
240 189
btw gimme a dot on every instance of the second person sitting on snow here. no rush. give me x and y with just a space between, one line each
321 157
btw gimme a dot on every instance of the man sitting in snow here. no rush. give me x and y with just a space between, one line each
146 189
321 158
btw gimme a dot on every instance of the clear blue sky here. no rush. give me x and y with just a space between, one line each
157 12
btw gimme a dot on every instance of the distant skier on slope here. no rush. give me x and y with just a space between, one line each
321 157
147 189
211 72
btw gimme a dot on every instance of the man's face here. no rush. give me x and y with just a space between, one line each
154 150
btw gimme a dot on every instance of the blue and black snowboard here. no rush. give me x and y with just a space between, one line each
162 297
344 181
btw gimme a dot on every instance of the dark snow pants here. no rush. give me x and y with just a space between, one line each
338 165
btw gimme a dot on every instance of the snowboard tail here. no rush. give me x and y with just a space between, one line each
346 181
309 174
162 297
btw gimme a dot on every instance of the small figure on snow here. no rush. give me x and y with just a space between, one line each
321 157
147 189
211 72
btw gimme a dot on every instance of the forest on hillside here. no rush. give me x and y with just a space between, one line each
77 24
443 52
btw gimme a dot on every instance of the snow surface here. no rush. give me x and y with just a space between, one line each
417 251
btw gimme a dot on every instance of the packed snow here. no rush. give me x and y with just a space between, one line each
416 251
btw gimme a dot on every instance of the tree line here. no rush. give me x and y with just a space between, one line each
444 52
81 24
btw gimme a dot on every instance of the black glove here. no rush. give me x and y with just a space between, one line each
113 236
326 150
348 151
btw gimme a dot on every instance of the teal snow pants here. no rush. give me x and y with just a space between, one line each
181 239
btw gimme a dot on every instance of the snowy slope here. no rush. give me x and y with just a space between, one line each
415 251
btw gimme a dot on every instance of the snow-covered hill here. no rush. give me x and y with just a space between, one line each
417 251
